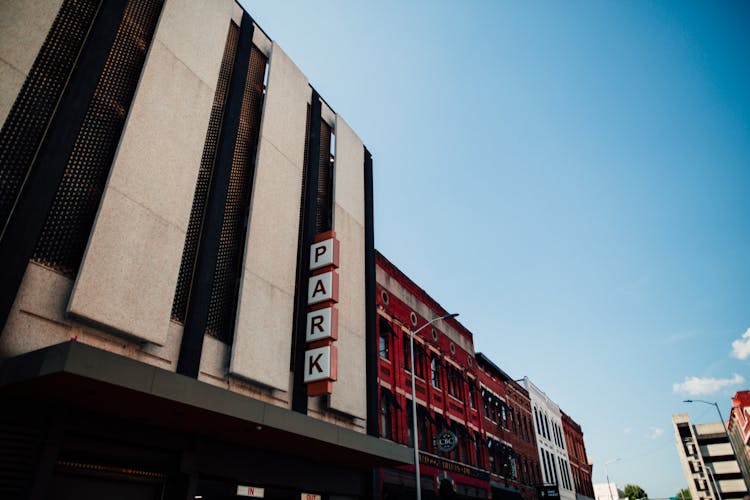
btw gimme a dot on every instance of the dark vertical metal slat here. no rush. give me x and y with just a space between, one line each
371 334
192 237
308 222
324 208
38 193
196 317
27 121
226 280
71 216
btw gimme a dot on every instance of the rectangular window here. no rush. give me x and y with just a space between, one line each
386 428
384 338
405 340
385 345
435 371
419 357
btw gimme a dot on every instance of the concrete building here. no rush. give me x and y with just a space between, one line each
607 491
553 452
187 296
707 460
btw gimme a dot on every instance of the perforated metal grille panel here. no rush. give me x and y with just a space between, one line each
222 305
69 222
27 121
182 293
324 202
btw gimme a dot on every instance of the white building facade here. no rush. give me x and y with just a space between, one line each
553 453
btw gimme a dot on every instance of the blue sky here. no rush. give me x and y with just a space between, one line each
573 178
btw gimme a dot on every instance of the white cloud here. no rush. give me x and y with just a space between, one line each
627 430
655 433
697 386
741 346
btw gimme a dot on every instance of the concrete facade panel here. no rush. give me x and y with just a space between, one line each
39 319
262 342
129 271
350 389
24 25
144 212
161 147
195 33
263 333
350 173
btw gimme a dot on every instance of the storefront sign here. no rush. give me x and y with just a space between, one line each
321 329
451 466
250 491
549 491
309 496
445 441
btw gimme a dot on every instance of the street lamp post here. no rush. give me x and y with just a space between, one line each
606 471
713 480
414 397
729 438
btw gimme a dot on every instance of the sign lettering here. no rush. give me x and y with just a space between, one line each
322 287
322 321
318 364
322 324
250 491
324 253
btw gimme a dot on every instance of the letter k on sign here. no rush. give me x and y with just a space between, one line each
318 364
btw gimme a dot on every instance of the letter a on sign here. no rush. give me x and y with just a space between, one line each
323 287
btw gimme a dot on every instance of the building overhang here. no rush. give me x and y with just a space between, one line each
93 379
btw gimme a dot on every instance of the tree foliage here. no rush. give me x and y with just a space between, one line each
634 492
683 494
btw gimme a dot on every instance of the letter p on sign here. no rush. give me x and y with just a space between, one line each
324 253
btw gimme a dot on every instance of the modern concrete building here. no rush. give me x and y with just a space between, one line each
607 491
187 291
707 460
553 452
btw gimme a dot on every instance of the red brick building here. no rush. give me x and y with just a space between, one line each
509 432
579 462
459 393
739 430
446 390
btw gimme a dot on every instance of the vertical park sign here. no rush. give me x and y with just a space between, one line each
321 357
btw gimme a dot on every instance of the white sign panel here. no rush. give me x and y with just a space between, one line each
320 288
318 364
319 325
250 491
321 254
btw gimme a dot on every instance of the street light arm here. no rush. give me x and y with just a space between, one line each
447 316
